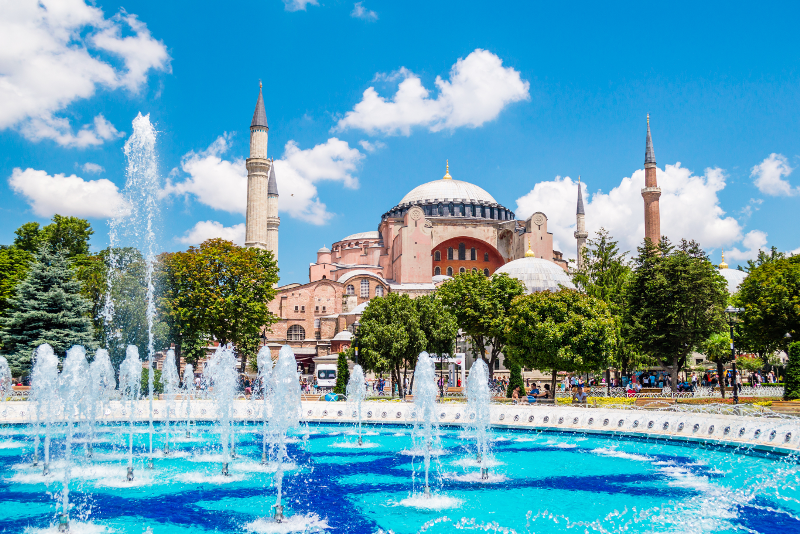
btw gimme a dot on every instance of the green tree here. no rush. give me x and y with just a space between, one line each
675 301
561 331
480 305
14 265
515 379
70 234
770 296
342 374
158 387
48 308
717 348
791 390
390 336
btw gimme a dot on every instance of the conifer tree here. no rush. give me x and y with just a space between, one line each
791 390
47 308
342 374
515 380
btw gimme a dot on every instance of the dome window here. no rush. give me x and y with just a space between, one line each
473 254
378 291
449 253
437 271
486 272
364 288
462 270
350 290
485 256
437 256
295 333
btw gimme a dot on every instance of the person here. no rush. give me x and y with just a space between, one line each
579 396
533 393
515 396
459 382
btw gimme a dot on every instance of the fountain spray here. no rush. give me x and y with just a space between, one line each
264 361
285 388
220 373
356 393
426 425
478 399
130 378
188 393
5 381
171 382
102 385
73 389
45 392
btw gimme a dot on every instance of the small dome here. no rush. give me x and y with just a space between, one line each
324 250
734 277
344 335
537 274
362 235
441 278
447 188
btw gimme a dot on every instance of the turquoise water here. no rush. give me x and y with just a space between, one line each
542 482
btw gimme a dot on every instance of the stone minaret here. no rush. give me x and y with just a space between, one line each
651 193
262 187
580 226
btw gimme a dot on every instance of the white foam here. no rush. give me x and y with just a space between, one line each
12 444
355 445
614 453
75 527
257 467
434 502
208 458
475 476
420 452
293 523
564 445
206 478
471 461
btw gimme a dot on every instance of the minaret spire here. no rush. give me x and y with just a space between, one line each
651 192
580 226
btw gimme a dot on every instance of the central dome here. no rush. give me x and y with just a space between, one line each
447 189
537 274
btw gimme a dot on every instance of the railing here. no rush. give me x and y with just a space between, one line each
699 392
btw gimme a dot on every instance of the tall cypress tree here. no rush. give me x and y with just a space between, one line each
791 389
48 308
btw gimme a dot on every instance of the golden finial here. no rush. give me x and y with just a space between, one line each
530 253
722 264
579 179
447 172
648 119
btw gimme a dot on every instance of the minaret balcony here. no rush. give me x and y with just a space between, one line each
651 191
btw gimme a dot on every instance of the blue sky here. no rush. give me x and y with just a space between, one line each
530 96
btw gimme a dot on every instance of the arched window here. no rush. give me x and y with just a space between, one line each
437 256
485 256
449 253
378 291
473 254
486 272
350 290
437 271
295 333
449 271
462 270
462 251
474 270
364 288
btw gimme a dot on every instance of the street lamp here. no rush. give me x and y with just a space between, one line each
264 337
441 375
732 312
356 325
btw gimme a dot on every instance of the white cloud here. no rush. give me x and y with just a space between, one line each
372 146
68 195
478 90
53 53
768 176
754 241
298 5
204 230
92 168
689 208
222 184
360 12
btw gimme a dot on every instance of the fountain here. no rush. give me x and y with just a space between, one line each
130 384
101 387
45 393
264 361
5 380
221 376
73 389
284 386
171 383
478 398
356 393
426 428
188 392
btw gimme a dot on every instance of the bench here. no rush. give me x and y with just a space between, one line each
788 407
455 390
654 404
305 397
21 388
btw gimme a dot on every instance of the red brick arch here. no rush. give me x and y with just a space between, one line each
481 248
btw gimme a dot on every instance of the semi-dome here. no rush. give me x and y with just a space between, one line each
537 274
344 335
734 277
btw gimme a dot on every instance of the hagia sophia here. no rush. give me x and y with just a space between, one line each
437 230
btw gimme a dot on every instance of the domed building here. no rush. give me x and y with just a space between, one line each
734 277
537 274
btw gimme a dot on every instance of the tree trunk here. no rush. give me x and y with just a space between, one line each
553 385
673 372
720 379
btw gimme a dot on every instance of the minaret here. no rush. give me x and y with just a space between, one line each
262 187
651 192
580 226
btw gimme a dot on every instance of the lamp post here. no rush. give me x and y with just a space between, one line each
356 325
732 312
441 375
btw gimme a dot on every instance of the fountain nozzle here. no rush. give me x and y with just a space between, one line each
427 493
188 434
150 463
130 473
278 513
63 523
166 449
263 458
360 442
35 459
484 473
225 469
46 470
89 450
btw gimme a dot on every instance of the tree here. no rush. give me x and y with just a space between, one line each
342 374
390 335
480 305
791 389
770 296
561 331
47 308
515 379
14 265
70 234
717 348
218 290
675 301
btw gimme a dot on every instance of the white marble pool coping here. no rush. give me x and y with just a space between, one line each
780 435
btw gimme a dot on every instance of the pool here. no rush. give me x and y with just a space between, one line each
539 482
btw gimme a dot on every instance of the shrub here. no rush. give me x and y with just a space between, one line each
792 380
515 380
342 374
